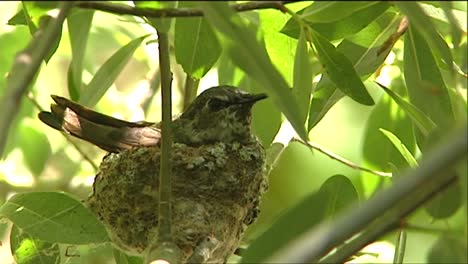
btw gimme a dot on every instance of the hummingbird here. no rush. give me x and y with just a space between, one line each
218 168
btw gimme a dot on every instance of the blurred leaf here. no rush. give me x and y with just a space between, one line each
38 16
28 250
108 72
339 193
377 151
420 120
252 58
364 52
454 25
340 28
302 81
160 24
79 26
323 12
196 46
401 147
420 21
228 72
264 128
334 195
426 88
54 217
447 202
35 147
341 71
457 5
34 10
288 226
448 250
18 19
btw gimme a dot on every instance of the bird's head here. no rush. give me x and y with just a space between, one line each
219 114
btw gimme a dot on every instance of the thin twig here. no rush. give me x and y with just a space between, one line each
82 153
344 161
25 68
121 9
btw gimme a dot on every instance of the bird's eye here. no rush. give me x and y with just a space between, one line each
216 104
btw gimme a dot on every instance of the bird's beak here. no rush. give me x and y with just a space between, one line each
252 98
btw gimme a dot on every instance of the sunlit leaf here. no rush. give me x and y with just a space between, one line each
302 81
27 250
79 26
341 70
342 27
54 217
108 72
196 45
364 50
323 12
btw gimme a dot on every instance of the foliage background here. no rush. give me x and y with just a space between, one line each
38 158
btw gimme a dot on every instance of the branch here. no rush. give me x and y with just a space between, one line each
121 9
343 160
25 68
383 212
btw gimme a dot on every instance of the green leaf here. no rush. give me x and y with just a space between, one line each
323 12
335 194
377 151
448 249
420 120
35 147
341 70
54 217
38 17
420 21
79 25
29 250
339 193
401 148
426 88
340 28
302 81
196 46
252 58
18 19
280 48
288 226
364 50
108 72
447 202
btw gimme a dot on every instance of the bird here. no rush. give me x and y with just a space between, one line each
218 168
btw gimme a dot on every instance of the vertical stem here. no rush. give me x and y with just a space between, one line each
190 91
165 184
